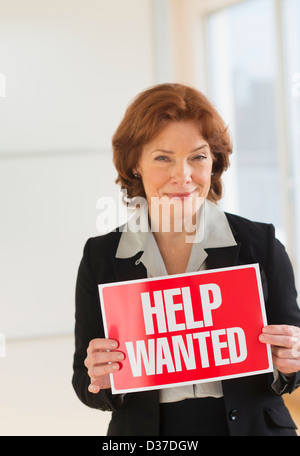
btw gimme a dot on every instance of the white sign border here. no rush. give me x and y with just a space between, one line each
254 266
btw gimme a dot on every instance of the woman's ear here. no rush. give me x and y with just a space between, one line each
135 173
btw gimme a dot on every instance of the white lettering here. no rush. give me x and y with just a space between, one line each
2 346
164 356
203 347
157 310
231 333
107 219
217 346
163 210
188 354
171 308
138 220
188 310
166 353
141 354
207 304
2 86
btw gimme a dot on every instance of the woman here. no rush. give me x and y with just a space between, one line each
173 146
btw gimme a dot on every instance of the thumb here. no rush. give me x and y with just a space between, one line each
99 383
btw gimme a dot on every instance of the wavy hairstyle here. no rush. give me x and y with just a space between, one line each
149 113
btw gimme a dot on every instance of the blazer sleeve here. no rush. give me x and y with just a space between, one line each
282 303
88 326
282 290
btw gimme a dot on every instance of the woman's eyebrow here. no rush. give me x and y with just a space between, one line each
164 151
203 146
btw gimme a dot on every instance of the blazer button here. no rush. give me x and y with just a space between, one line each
233 415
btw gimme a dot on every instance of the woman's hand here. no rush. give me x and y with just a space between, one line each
102 360
285 346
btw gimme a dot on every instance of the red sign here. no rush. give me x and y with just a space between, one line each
188 328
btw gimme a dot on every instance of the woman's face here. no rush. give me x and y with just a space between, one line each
177 163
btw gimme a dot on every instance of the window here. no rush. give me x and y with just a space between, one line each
291 50
254 65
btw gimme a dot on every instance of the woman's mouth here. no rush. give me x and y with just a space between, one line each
181 195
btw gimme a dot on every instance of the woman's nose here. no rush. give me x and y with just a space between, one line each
181 174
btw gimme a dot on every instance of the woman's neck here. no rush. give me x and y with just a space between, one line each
175 251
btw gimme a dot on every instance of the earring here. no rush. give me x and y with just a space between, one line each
136 175
212 174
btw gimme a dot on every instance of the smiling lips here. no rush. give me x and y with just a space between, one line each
182 196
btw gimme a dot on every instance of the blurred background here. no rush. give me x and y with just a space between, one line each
68 69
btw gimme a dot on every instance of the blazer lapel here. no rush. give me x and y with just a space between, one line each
133 269
222 257
129 268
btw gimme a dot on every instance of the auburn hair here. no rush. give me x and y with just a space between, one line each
149 113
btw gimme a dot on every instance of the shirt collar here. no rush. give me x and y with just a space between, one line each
217 232
213 232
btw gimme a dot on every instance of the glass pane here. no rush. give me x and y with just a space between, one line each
242 52
291 45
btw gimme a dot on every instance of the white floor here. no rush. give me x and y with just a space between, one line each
36 394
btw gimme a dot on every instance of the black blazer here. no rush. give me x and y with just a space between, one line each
251 404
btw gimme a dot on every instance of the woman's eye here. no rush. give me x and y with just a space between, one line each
199 157
161 158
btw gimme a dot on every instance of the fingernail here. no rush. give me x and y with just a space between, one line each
114 343
115 366
94 389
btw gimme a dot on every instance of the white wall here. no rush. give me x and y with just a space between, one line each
70 67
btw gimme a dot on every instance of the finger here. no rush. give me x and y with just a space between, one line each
99 371
283 353
98 384
278 340
102 344
94 388
286 366
296 350
105 357
287 330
